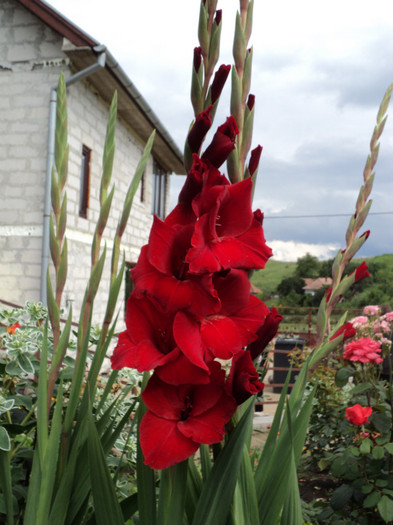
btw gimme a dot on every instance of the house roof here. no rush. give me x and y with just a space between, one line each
83 51
316 284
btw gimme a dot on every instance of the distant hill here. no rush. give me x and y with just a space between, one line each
270 277
380 282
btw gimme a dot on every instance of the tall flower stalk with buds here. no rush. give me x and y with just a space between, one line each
354 241
193 329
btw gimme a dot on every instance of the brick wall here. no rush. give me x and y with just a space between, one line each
31 59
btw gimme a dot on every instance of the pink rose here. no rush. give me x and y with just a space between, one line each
388 317
372 309
363 350
361 320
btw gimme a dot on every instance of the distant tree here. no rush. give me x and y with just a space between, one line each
325 268
307 266
290 284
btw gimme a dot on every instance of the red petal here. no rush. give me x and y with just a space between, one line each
233 289
188 339
195 294
250 318
209 427
182 371
162 444
221 336
167 401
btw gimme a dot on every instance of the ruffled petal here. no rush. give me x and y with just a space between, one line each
188 339
221 336
181 371
163 445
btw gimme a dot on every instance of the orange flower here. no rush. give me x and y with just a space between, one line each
11 329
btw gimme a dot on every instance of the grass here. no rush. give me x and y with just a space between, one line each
270 277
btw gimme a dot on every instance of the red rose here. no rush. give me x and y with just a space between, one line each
180 418
358 415
243 380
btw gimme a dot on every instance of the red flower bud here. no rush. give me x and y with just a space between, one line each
218 17
197 58
254 160
243 380
223 143
218 83
361 272
198 131
358 415
250 101
266 333
347 329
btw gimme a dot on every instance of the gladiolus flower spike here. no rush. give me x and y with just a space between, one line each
191 307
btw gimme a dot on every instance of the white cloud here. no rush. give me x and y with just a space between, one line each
319 73
290 251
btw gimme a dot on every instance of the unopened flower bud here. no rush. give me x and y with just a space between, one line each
198 131
218 82
197 58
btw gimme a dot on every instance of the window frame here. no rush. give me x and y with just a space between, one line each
159 190
84 182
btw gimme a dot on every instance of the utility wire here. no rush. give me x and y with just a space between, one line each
323 215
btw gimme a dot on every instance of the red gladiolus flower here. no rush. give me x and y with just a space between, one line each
201 173
265 333
219 335
11 329
223 239
358 415
243 380
363 350
148 341
199 129
347 329
180 418
223 143
164 276
219 81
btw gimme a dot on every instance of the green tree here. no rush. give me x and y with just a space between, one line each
307 266
290 284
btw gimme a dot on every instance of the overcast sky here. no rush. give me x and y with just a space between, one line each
320 70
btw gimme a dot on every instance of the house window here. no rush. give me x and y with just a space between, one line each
159 191
142 188
129 285
84 182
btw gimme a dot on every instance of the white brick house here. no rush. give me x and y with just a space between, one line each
36 44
